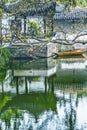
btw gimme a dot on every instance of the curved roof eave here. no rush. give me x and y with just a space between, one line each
30 9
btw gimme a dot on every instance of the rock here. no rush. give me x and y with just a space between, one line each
79 46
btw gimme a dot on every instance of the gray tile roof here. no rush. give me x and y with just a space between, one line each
30 9
46 8
77 13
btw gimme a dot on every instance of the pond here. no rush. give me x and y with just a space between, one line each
44 94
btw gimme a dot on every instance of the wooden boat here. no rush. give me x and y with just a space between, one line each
70 53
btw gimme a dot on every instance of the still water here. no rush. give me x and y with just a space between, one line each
45 94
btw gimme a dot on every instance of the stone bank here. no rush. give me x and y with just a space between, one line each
33 50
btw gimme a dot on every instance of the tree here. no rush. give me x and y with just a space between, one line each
0 26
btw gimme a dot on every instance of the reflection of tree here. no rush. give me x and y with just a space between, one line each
81 94
4 59
51 85
3 101
70 104
35 103
2 75
9 114
70 115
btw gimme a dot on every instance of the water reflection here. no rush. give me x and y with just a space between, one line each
46 94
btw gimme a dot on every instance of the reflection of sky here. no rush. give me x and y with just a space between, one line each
32 85
46 121
37 86
82 113
52 121
74 65
81 110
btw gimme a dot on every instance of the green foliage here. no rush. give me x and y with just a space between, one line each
11 0
5 1
4 57
82 2
2 75
73 2
11 113
34 27
0 12
82 93
47 39
3 101
6 39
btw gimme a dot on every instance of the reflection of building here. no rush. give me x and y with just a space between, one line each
29 75
24 84
71 74
34 74
41 67
74 64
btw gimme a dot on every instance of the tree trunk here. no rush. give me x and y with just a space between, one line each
52 25
0 31
25 25
44 20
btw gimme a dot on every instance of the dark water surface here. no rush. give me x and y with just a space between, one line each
44 94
